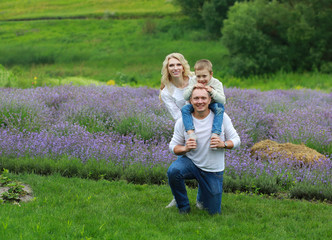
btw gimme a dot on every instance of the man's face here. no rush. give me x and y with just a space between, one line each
203 76
200 99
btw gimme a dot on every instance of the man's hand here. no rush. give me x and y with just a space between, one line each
191 144
216 143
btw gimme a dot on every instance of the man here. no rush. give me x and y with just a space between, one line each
196 158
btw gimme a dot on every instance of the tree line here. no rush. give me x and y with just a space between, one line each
265 36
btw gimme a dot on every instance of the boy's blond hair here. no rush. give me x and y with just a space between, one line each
203 64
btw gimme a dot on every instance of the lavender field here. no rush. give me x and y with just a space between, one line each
129 129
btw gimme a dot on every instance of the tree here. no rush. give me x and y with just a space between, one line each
266 36
212 12
191 8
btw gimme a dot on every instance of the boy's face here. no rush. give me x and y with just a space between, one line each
203 76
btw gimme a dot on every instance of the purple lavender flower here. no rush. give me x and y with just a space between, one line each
128 126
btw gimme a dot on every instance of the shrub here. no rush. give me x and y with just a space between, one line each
149 27
7 78
191 8
214 12
17 112
264 37
211 12
309 192
249 32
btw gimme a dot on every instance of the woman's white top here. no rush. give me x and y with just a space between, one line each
173 99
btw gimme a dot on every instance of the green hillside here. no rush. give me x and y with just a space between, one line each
31 9
125 41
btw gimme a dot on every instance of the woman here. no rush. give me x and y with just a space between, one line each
175 78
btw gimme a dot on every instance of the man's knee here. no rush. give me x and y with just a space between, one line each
173 172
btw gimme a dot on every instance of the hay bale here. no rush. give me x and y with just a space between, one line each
299 152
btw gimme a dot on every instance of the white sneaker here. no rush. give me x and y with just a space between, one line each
172 203
214 135
199 205
192 136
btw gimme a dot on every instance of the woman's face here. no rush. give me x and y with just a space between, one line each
175 68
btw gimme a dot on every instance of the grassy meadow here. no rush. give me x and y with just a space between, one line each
39 9
128 50
73 208
98 49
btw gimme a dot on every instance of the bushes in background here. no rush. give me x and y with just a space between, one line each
208 13
266 36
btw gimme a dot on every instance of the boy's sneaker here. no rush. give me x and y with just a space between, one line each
214 135
172 203
192 136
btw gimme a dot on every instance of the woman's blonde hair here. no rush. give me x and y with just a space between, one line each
165 75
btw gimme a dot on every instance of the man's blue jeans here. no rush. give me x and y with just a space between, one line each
209 190
216 108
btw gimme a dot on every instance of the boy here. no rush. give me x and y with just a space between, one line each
203 72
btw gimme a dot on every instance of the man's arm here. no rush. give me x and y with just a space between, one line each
231 136
178 144
216 142
181 150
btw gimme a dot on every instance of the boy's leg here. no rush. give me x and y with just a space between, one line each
183 168
210 191
187 118
218 110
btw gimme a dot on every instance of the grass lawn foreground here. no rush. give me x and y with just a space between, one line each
74 208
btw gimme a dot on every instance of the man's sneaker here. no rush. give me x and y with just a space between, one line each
172 203
214 135
199 205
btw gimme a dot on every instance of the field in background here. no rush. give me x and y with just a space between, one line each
23 9
123 50
102 45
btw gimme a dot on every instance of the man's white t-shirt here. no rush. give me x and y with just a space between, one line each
203 157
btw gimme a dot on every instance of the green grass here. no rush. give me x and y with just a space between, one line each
282 80
101 49
23 9
85 209
128 51
127 42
